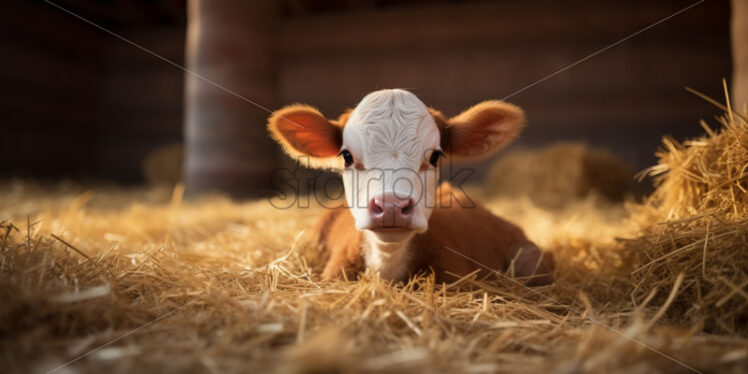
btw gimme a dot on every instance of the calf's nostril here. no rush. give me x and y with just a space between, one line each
408 208
376 207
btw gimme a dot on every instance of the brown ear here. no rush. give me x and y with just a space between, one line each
483 129
304 131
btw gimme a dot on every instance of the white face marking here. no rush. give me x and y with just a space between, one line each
391 136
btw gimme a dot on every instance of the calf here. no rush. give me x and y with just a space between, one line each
397 219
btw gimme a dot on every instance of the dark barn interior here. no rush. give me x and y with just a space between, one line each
108 104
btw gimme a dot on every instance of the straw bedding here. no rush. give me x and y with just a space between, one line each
139 280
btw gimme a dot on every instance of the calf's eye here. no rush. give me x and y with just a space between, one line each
347 157
434 159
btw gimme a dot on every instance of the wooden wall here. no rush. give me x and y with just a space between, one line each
48 92
78 101
141 100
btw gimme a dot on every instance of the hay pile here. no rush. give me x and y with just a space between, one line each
163 166
701 206
139 280
560 173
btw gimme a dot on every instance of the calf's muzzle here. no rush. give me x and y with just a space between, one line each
391 211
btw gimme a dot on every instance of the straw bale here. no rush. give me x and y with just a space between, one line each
554 175
163 166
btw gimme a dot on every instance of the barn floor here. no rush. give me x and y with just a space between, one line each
129 280
97 278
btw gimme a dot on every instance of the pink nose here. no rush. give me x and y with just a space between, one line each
390 211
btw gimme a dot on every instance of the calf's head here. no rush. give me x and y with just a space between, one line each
388 148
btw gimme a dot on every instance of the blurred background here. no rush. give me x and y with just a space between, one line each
80 102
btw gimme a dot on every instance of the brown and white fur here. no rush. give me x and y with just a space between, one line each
398 220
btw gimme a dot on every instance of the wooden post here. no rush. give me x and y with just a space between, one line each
739 54
232 44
